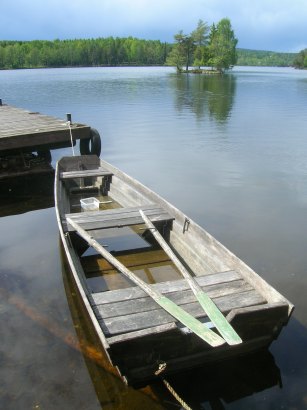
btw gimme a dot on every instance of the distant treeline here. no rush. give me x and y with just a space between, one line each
93 52
264 58
111 51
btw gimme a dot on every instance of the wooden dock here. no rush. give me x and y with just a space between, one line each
26 139
31 131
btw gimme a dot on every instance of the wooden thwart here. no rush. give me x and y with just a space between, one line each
99 172
177 312
217 318
116 218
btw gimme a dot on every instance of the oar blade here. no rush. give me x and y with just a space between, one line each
218 319
191 322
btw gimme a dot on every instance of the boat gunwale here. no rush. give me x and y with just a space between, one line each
68 251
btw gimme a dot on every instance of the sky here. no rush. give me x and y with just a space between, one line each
275 25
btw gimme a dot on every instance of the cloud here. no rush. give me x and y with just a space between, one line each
261 24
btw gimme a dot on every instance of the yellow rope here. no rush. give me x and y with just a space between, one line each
177 397
161 367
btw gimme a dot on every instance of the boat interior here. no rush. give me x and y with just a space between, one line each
124 311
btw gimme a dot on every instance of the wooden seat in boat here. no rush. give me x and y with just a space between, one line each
117 218
98 172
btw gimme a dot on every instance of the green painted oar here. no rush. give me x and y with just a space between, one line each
212 311
176 311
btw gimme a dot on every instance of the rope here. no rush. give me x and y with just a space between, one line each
161 367
71 140
184 405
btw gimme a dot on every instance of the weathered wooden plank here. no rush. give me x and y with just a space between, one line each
116 217
137 321
113 213
144 304
151 331
164 287
85 173
255 321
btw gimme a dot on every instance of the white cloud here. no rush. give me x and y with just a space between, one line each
261 24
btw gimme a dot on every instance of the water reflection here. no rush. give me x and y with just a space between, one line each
262 217
27 193
227 382
211 96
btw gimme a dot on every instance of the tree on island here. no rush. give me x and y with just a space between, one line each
200 36
186 45
182 51
222 47
218 49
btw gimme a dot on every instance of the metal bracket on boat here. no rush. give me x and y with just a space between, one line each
186 225
161 368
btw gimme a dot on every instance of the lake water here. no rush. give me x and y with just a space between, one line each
231 152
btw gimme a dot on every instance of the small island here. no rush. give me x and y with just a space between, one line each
213 47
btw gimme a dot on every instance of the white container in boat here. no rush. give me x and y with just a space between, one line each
90 204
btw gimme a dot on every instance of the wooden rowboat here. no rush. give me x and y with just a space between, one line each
162 294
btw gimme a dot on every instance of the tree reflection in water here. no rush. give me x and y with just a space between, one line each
205 95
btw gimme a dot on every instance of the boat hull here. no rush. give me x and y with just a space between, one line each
141 339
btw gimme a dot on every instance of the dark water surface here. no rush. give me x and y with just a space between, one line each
231 153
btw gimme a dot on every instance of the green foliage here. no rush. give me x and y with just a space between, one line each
217 48
90 52
222 46
264 58
196 49
175 58
200 36
301 59
185 45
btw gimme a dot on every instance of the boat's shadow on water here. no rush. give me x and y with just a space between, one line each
215 386
208 387
27 193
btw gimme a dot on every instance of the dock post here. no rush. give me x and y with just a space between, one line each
0 102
